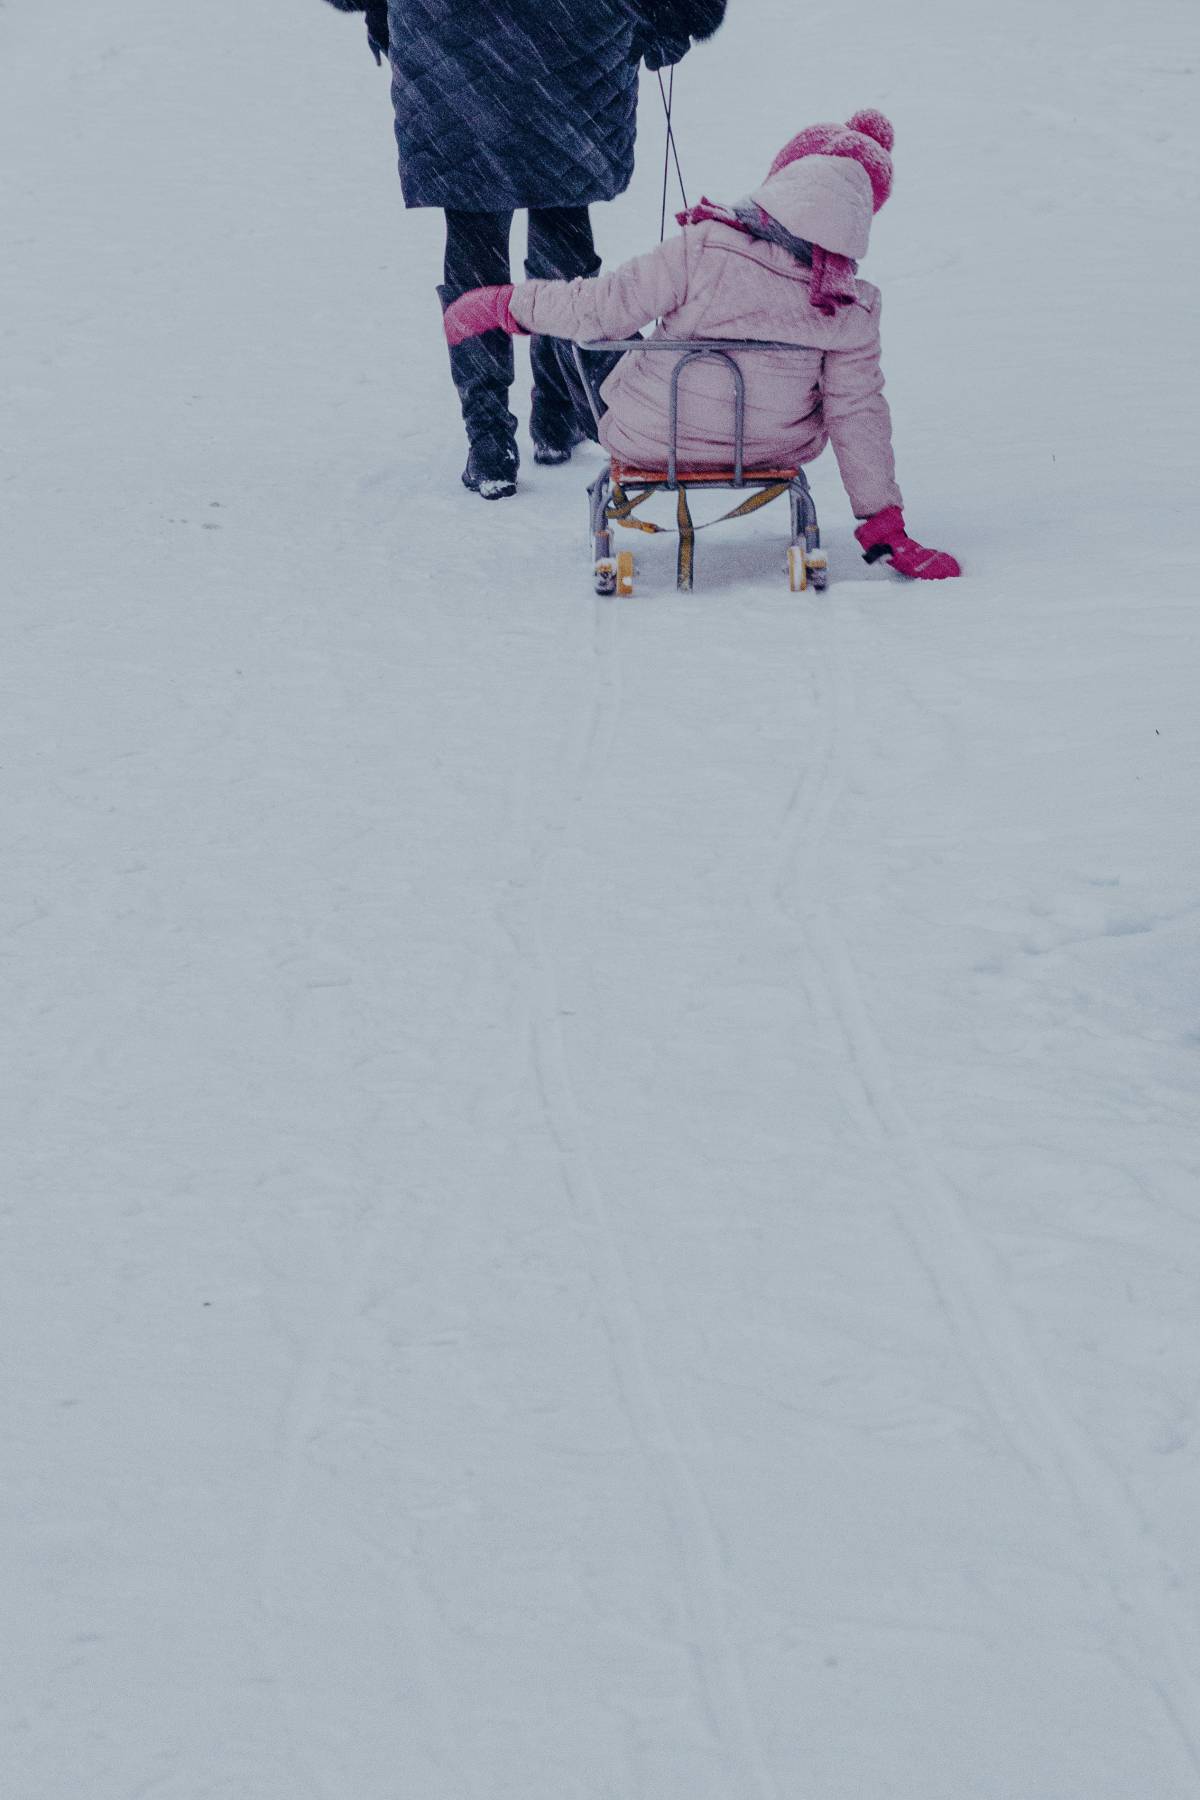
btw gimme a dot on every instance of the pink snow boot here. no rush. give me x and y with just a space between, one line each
884 535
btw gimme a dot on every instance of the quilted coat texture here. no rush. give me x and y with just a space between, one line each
713 282
507 104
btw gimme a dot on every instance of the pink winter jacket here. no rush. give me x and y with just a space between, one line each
714 282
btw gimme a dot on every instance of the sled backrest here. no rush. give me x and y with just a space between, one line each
685 350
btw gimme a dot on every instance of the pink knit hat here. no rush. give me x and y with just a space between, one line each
866 139
824 207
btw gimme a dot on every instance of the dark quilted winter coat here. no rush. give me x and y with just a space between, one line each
505 104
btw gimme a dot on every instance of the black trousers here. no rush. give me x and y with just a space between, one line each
560 248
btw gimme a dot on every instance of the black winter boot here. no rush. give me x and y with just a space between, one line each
482 369
554 418
560 416
491 469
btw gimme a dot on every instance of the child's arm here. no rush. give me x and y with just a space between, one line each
860 430
607 306
859 423
600 306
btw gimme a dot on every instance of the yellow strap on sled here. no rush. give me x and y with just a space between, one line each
687 544
621 507
763 497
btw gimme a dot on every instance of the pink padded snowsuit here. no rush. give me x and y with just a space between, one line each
712 281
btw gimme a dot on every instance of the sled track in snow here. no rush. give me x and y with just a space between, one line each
301 1418
305 1411
719 1676
1161 1639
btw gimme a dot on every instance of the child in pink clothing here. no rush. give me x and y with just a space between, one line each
781 266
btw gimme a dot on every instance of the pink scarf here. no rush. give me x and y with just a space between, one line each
832 276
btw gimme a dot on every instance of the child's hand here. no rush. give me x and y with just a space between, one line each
482 309
884 535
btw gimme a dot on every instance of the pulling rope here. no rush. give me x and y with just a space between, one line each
671 151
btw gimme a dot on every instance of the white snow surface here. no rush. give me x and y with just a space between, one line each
601 1199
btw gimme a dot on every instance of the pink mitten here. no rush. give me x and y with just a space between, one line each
482 309
884 535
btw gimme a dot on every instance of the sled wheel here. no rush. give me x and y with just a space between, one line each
817 564
797 568
605 576
624 573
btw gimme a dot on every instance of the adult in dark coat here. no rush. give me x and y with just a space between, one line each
507 105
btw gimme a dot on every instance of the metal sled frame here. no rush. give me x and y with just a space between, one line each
618 491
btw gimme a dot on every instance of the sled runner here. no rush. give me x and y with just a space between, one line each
619 491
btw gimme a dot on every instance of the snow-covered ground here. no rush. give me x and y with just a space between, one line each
602 1200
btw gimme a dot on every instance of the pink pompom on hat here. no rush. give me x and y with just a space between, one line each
866 139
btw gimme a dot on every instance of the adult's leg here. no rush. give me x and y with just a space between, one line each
476 251
561 248
477 256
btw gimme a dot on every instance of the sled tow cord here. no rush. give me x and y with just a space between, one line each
671 152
